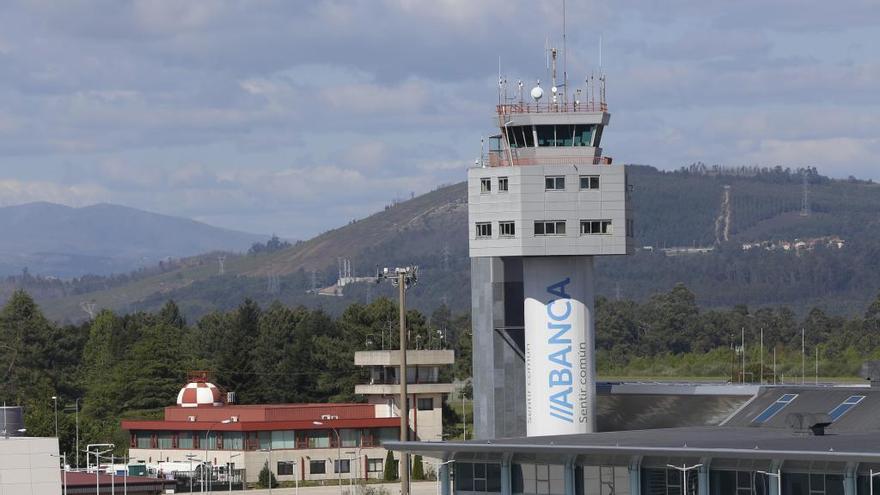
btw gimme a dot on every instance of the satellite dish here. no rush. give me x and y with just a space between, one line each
537 93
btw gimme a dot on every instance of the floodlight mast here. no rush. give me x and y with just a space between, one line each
403 278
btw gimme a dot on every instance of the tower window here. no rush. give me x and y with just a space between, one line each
589 182
485 185
550 227
629 228
591 227
507 229
484 229
554 183
502 184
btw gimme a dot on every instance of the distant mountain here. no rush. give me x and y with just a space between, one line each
55 240
671 209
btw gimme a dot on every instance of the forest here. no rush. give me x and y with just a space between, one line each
132 366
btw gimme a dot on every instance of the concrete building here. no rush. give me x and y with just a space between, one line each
424 387
29 466
298 441
782 441
541 204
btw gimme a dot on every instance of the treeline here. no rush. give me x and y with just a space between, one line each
132 366
669 335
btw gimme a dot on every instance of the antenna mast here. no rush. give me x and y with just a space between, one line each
564 59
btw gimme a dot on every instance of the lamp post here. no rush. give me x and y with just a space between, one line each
684 469
269 465
229 470
402 278
98 455
338 453
207 477
871 476
192 473
778 476
439 491
55 406
77 431
63 458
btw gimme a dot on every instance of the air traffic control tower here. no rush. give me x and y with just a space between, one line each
542 202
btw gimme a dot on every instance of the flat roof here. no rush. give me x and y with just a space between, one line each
697 442
160 425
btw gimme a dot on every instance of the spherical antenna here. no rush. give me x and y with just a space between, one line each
537 93
554 89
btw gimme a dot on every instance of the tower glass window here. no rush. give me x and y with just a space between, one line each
550 227
589 182
486 185
507 229
590 227
502 184
484 229
554 183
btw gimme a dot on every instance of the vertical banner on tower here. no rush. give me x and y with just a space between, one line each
559 338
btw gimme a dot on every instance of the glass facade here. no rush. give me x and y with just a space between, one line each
602 480
538 479
477 477
262 440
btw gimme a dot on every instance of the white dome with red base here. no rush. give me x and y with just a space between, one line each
199 394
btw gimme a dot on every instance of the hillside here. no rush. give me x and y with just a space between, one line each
671 209
55 240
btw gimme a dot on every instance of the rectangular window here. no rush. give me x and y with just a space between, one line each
774 408
283 440
350 437
502 184
374 465
554 183
185 440
485 185
426 404
591 227
477 477
342 466
317 467
317 439
142 439
605 480
265 440
550 227
589 182
537 479
484 229
507 229
285 468
629 228
845 406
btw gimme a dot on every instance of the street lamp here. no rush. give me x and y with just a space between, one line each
207 477
338 453
402 278
684 469
192 473
63 458
439 466
778 476
55 403
871 476
98 465
295 475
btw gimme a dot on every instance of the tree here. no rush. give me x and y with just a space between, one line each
267 477
390 473
418 468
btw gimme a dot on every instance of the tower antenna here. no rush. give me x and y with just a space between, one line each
564 59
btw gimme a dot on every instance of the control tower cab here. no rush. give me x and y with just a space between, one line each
541 203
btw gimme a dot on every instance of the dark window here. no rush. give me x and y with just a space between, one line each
550 227
317 467
506 229
285 468
342 466
546 135
485 185
425 404
374 465
502 184
484 229
554 183
589 182
477 477
590 227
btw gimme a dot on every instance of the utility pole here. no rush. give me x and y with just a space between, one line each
402 278
803 357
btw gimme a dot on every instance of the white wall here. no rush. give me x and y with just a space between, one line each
28 468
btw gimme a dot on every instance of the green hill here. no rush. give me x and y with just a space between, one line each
671 209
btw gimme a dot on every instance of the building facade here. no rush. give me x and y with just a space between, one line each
29 466
297 441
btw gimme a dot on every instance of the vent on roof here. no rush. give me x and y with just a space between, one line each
809 423
774 408
845 406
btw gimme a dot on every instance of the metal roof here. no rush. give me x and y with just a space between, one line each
159 425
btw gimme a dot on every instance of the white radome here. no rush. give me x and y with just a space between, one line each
537 93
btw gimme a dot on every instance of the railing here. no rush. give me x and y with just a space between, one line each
501 159
569 107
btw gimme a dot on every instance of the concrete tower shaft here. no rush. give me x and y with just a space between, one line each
541 203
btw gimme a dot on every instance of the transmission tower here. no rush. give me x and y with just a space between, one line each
221 260
805 198
445 254
273 284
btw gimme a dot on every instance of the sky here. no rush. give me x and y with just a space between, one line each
295 117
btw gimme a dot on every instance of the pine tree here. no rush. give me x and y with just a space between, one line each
267 477
418 468
390 473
